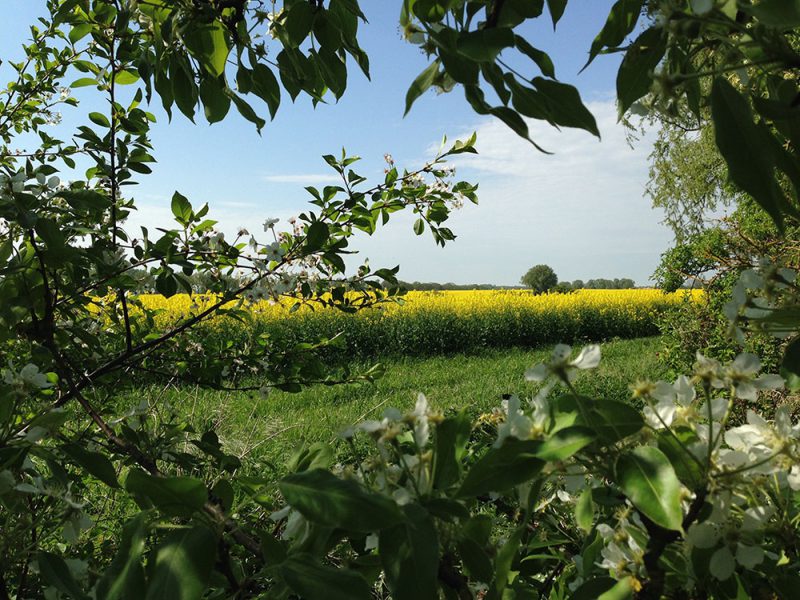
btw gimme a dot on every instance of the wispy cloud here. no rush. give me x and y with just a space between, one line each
581 210
303 178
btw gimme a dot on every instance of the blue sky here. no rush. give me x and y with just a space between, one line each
581 210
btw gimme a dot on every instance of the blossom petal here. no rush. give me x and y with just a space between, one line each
722 564
769 382
749 556
684 390
703 535
537 373
561 352
588 358
746 364
663 392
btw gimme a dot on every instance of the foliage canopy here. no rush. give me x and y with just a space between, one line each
421 514
540 278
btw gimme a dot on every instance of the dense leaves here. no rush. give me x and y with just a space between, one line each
548 496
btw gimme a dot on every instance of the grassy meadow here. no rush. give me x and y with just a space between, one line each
266 429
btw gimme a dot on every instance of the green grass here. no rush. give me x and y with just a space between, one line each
265 430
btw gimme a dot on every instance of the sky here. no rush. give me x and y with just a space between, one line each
581 210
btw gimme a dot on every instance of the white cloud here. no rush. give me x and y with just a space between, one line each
581 210
304 179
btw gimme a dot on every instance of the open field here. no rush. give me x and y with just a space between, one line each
266 429
431 323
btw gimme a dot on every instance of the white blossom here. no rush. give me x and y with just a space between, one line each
561 367
421 426
273 252
516 424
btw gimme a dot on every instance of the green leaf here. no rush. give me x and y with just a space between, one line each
515 462
124 578
298 22
593 588
565 442
565 105
621 590
676 450
528 101
55 572
312 581
515 12
647 478
173 496
612 421
246 110
83 82
266 87
96 464
782 14
209 45
99 119
483 45
621 21
181 208
515 122
272 549
184 90
409 554
216 103
791 357
461 69
79 31
452 436
333 70
423 81
475 559
745 146
126 77
182 565
431 11
323 498
584 511
503 562
634 77
317 235
166 284
556 8
541 58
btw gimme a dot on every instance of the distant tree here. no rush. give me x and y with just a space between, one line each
540 279
578 284
602 283
626 283
563 287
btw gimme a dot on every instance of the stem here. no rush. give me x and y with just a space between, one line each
660 538
710 427
113 179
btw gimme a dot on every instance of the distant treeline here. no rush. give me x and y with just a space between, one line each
563 286
424 286
600 284
203 282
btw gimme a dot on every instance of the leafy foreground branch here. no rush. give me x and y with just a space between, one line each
560 496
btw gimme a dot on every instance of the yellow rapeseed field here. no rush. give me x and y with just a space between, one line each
429 322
